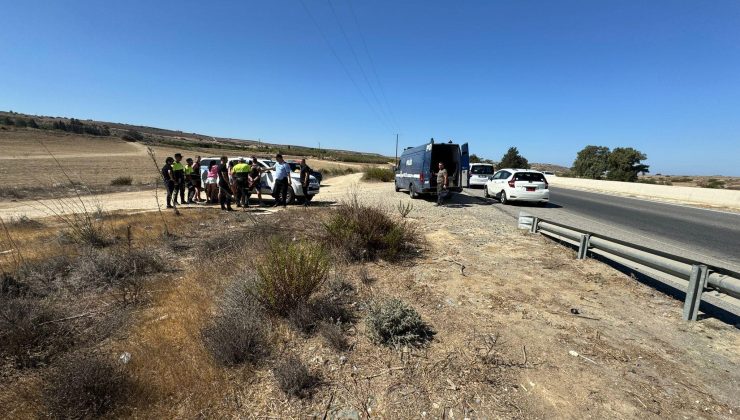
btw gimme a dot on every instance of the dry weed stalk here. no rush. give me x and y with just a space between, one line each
151 154
74 213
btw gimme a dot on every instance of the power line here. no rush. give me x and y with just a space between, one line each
357 60
344 66
372 64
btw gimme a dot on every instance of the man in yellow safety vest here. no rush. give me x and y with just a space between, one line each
241 172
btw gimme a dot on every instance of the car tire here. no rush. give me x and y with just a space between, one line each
412 192
485 191
502 198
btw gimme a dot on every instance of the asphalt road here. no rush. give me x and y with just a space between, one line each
710 236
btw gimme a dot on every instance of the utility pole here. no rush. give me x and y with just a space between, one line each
395 162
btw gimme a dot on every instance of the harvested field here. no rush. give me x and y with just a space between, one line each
92 162
506 343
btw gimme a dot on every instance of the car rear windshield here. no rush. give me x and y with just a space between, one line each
529 176
481 170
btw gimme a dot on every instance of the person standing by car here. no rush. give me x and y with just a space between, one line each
195 177
189 179
224 188
178 170
442 183
255 179
305 180
282 181
212 183
169 179
241 173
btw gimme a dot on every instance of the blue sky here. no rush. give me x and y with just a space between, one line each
549 77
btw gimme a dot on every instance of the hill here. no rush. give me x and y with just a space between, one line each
153 136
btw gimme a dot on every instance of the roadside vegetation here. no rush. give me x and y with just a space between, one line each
378 174
619 164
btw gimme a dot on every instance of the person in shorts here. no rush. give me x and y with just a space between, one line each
212 184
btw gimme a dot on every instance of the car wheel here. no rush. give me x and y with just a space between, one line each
290 198
502 198
412 192
485 191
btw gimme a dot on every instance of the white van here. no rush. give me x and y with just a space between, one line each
479 174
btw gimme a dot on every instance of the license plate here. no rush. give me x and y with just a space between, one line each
531 188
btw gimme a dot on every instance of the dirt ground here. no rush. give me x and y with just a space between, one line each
523 330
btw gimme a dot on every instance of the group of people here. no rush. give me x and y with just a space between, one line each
228 181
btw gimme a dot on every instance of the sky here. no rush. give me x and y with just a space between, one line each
548 77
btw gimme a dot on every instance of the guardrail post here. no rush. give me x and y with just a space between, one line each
697 281
535 221
583 246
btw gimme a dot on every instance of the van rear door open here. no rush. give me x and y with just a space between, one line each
465 163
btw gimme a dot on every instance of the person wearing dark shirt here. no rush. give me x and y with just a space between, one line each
305 181
255 179
224 187
169 179
178 171
195 177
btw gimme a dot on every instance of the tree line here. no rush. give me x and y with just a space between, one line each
73 126
593 162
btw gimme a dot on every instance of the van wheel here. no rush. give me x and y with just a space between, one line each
485 190
502 198
396 185
412 192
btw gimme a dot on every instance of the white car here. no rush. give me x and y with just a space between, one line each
268 178
479 173
294 190
518 185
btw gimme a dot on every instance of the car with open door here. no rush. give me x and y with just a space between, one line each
416 169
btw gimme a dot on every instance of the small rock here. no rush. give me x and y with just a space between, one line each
342 360
348 414
125 357
573 353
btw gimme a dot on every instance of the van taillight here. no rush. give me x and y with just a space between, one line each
511 182
421 177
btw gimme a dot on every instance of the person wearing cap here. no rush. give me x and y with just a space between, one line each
282 181
178 170
224 189
169 179
241 174
189 179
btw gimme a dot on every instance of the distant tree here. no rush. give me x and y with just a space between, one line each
591 162
512 159
624 163
32 123
474 158
7 121
132 135
20 122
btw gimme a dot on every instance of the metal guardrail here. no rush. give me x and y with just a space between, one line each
700 276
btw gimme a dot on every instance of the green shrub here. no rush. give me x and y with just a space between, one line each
122 181
290 274
365 232
394 323
378 174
